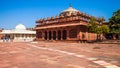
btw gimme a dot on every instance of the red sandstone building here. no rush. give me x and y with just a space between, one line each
70 25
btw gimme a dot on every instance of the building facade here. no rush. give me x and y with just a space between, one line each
70 25
19 34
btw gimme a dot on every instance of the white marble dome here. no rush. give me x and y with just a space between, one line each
69 11
20 27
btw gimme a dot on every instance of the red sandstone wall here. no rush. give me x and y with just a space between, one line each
92 36
87 36
1 34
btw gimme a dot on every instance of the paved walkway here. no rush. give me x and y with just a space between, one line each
54 55
94 60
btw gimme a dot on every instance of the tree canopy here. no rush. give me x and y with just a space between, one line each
95 27
92 25
114 22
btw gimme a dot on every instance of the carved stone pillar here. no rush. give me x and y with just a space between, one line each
43 35
56 35
47 35
51 35
68 35
61 35
86 35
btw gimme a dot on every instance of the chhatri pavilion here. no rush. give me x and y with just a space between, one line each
69 25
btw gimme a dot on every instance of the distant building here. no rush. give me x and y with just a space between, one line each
30 29
20 33
70 25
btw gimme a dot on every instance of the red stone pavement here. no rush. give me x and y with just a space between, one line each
59 55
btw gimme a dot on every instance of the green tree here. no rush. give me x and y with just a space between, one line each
100 20
92 26
103 29
114 24
95 25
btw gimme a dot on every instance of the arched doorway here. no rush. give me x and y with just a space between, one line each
39 35
83 36
73 33
64 34
54 35
45 37
50 35
59 35
6 37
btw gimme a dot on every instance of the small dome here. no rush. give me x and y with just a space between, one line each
20 27
69 11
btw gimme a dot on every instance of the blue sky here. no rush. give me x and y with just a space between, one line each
13 12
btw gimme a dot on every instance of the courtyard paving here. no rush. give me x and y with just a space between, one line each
58 55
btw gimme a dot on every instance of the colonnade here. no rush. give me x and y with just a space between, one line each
55 35
19 37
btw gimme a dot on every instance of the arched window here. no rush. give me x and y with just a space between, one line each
73 33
